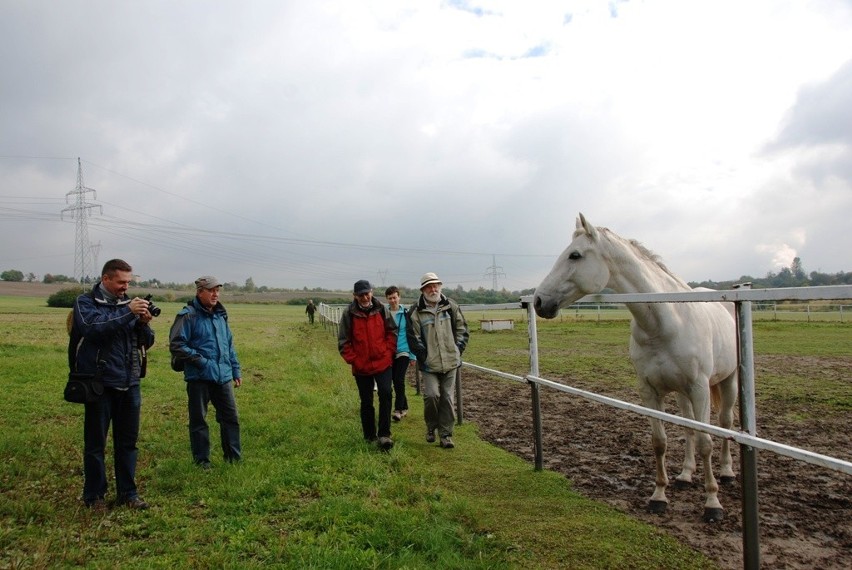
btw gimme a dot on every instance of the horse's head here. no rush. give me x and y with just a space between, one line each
579 271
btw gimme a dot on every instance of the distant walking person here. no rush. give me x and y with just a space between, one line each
109 331
438 336
403 354
367 341
310 310
202 339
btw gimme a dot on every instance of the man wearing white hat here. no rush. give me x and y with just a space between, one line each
438 336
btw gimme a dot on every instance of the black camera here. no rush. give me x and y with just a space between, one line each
152 308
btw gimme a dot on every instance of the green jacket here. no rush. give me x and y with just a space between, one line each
437 335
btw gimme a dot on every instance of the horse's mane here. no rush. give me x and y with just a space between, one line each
643 252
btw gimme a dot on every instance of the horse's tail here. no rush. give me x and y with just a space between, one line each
715 397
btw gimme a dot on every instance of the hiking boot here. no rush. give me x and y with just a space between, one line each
447 442
136 503
385 443
97 506
397 415
430 435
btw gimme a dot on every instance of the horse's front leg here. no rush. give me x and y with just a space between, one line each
713 510
712 507
659 502
684 479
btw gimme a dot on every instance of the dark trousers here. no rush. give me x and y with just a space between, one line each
200 394
121 408
400 367
382 381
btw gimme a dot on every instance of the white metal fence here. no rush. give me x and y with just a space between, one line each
743 299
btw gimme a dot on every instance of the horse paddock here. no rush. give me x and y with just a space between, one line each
805 511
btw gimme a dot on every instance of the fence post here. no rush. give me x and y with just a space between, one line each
459 413
748 423
534 388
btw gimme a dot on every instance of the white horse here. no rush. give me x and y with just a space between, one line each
686 348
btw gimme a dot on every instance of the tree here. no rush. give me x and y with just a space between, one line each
48 278
797 269
31 277
12 275
249 285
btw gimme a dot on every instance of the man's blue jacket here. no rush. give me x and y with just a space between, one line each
205 342
105 335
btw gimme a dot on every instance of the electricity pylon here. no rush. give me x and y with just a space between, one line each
80 210
95 248
382 276
494 271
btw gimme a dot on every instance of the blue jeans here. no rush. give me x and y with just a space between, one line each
121 408
200 394
400 367
382 382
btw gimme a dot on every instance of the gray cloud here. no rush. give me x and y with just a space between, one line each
314 144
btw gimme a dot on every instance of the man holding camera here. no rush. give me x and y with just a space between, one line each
202 339
109 335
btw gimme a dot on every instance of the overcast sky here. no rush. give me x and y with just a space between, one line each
317 143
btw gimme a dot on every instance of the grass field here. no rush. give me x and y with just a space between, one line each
596 349
309 494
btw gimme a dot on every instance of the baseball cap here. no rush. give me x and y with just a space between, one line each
362 286
207 282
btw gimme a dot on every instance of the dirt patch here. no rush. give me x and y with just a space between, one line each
805 511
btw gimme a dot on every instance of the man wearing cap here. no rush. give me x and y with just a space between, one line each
367 341
438 336
202 339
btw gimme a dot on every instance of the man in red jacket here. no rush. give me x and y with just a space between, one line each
367 341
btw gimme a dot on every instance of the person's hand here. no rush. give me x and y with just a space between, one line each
139 307
238 382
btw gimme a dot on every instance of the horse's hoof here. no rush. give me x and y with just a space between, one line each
713 515
657 507
678 484
727 479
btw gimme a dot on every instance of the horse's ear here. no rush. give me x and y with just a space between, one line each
583 223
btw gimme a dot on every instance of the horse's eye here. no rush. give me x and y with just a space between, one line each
575 255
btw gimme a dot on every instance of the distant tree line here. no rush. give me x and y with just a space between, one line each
793 276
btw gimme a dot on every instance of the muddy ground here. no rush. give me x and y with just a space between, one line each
805 511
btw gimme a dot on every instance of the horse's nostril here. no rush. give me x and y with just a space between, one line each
537 302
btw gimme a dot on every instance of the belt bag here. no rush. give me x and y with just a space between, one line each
83 388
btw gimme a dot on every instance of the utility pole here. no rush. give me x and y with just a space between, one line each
95 248
80 210
382 276
494 271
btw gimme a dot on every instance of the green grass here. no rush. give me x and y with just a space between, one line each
598 350
309 493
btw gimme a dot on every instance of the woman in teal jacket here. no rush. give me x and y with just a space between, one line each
403 353
202 339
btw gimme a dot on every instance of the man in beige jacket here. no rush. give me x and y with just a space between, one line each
438 336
